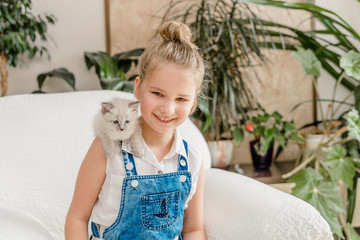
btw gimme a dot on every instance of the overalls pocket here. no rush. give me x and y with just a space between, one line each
159 211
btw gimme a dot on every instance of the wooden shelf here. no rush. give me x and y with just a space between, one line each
270 176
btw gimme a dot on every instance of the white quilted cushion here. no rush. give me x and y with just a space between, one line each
43 139
237 207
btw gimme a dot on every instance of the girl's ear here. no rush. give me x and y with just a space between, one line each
137 88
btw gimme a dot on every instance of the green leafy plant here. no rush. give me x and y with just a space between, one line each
231 37
271 128
20 29
111 70
334 40
334 162
60 73
312 66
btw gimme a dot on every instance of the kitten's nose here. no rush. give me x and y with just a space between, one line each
121 128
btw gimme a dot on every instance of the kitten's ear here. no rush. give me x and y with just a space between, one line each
134 105
106 107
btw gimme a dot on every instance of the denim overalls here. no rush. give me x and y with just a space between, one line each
152 206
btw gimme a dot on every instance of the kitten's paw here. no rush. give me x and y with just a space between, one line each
138 151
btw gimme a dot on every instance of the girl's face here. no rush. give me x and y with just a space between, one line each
167 96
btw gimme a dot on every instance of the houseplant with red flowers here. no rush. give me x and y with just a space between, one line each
268 129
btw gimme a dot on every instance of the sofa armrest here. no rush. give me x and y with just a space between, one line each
238 207
18 225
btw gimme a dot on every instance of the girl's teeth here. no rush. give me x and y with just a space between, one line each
163 119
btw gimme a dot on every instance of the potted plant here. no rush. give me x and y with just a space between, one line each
112 70
229 45
20 29
231 37
268 129
334 163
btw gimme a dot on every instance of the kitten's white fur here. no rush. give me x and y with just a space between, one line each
118 120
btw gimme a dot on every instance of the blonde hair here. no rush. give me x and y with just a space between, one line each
175 47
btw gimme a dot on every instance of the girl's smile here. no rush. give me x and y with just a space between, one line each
164 120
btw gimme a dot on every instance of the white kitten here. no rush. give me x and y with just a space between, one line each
119 120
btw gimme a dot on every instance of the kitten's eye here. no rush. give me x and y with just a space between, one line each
157 94
127 121
116 122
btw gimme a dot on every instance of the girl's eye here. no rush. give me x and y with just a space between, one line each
181 99
116 122
157 94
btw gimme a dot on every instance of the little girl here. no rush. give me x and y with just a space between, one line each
160 195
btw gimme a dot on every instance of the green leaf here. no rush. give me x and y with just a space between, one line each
105 66
353 234
351 64
357 98
277 116
38 92
289 126
265 144
312 188
353 124
126 55
124 65
111 71
341 166
281 139
304 181
296 137
238 135
308 61
61 73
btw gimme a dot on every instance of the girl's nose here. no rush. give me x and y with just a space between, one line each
168 107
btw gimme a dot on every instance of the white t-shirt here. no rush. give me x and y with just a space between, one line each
107 206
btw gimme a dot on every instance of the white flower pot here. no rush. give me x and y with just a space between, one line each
221 153
314 140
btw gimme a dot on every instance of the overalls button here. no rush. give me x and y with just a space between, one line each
134 183
182 178
182 162
129 166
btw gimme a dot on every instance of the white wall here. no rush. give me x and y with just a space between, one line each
80 27
348 10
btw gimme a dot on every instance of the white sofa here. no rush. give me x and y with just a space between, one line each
43 139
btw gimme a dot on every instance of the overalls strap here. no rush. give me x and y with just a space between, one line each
182 160
129 164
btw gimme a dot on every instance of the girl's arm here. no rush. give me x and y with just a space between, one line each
88 184
194 215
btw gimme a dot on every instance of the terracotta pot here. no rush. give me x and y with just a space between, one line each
221 153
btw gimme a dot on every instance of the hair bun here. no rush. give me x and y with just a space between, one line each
175 31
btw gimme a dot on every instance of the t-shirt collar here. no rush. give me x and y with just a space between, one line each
176 148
